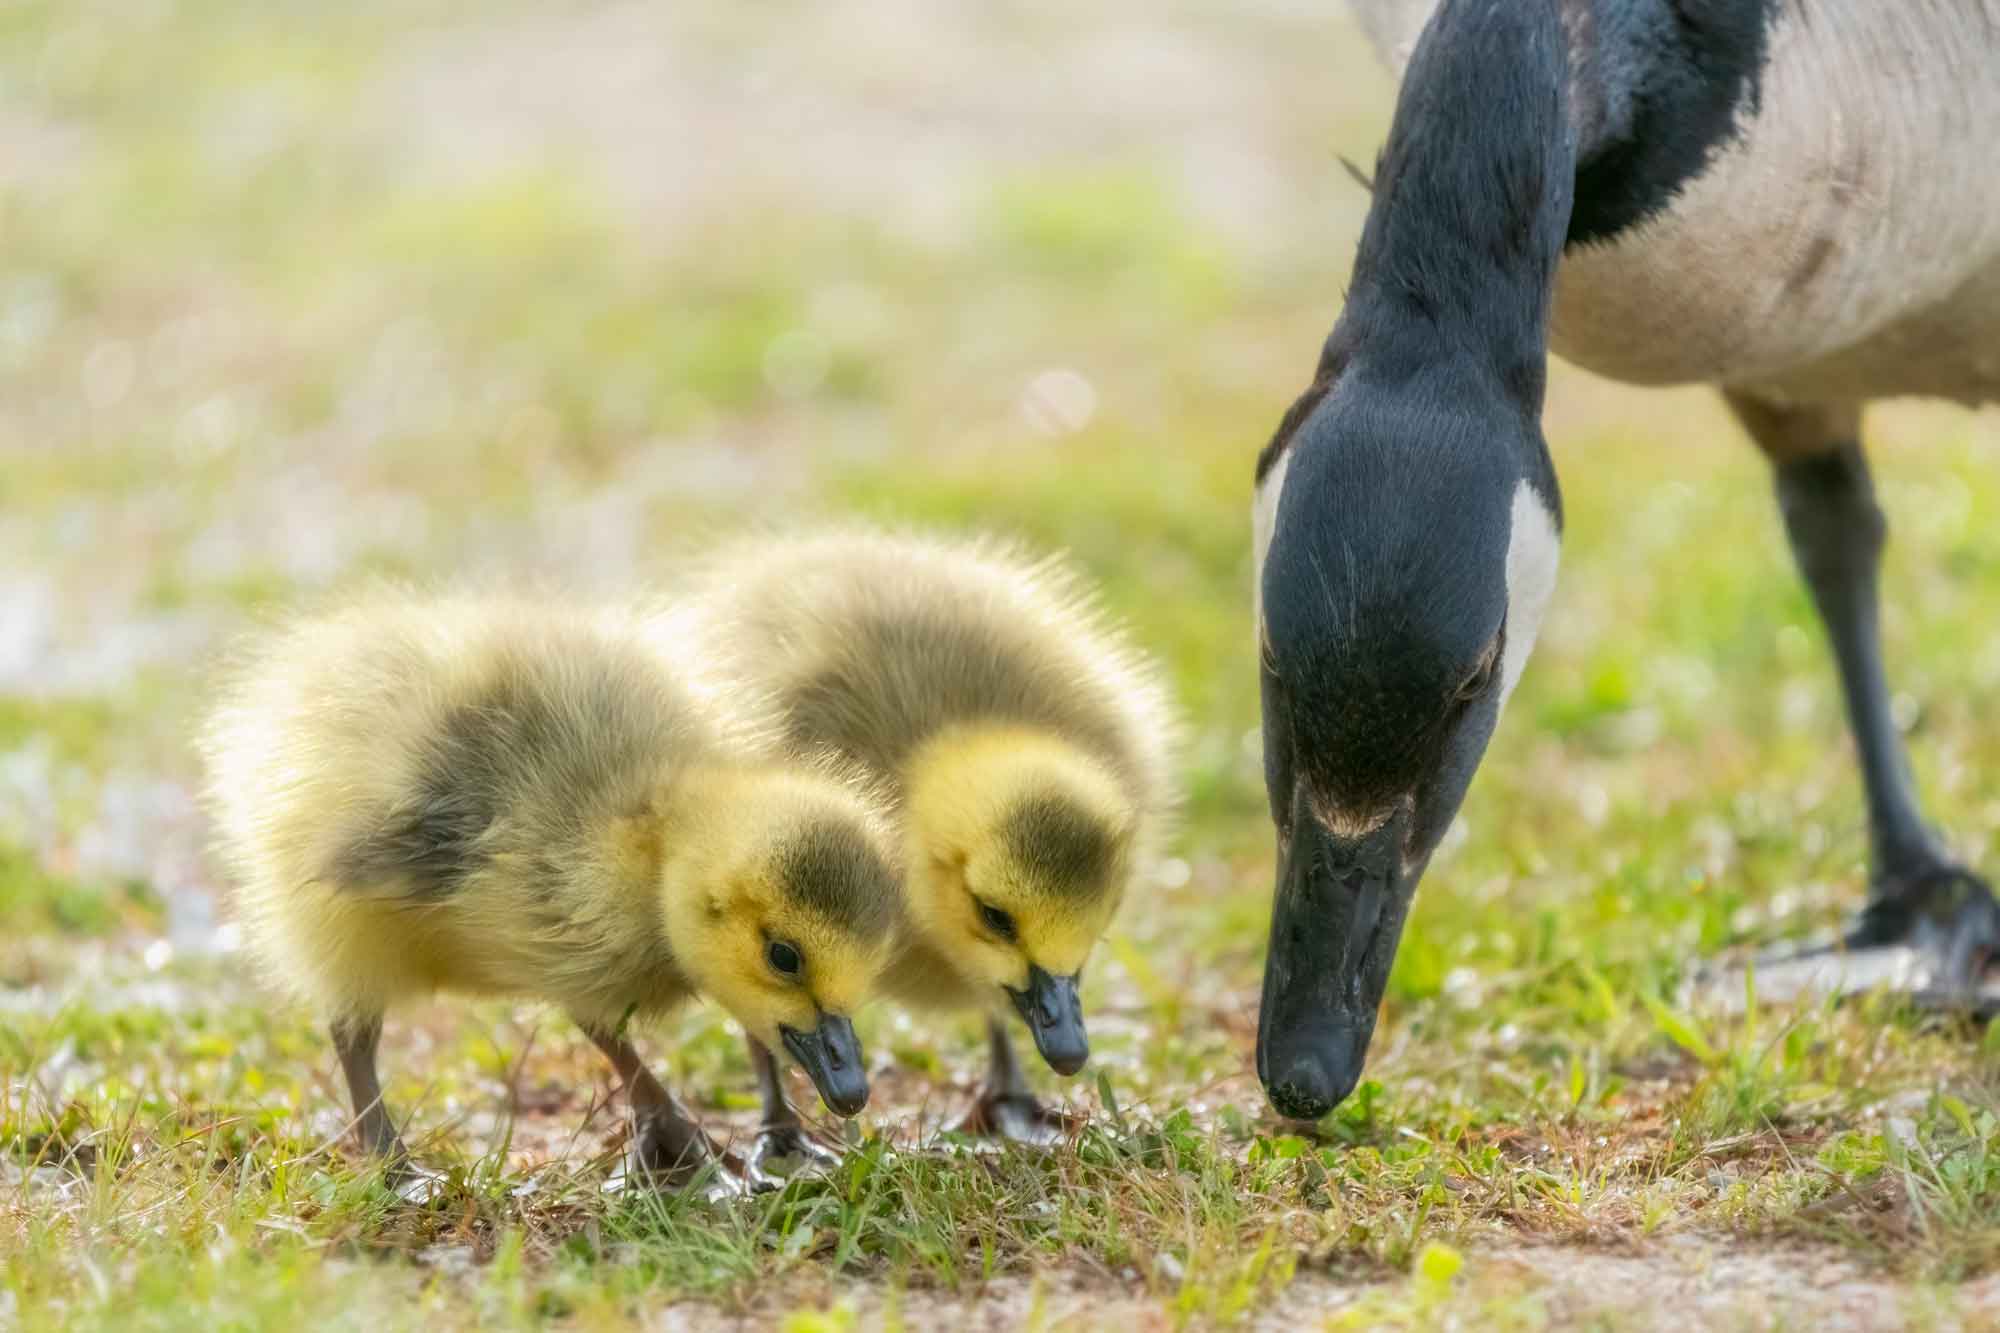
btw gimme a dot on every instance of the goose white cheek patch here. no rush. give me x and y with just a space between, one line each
1263 521
1533 548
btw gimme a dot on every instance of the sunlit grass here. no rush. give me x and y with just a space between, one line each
249 347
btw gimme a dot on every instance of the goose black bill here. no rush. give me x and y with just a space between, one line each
1338 915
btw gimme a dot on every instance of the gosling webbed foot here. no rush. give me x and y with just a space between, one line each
1016 1117
716 1183
418 1186
715 1179
781 1152
664 1149
669 1153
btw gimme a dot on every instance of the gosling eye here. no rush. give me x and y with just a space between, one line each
783 958
997 921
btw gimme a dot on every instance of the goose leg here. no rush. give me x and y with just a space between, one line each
1007 1107
668 1147
1918 895
356 1040
783 1137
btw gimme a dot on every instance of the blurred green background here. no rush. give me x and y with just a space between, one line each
295 292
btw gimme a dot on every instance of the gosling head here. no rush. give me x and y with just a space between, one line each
782 909
1020 849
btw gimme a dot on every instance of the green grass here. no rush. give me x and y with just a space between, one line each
259 334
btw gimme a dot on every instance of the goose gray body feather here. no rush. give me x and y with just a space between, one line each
1843 244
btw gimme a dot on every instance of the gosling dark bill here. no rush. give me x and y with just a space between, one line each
831 1056
1023 739
504 736
1055 1015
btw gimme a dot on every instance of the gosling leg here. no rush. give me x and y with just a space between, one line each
783 1135
356 1041
668 1147
1007 1107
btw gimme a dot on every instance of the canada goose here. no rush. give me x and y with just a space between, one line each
1795 203
1021 741
509 797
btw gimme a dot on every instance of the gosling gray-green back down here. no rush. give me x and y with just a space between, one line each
508 796
1021 739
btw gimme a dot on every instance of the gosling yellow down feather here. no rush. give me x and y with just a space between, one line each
512 797
1021 740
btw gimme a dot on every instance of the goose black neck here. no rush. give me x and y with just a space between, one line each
1657 87
1473 196
1524 125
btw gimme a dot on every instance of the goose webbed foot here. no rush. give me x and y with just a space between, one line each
781 1152
1933 937
1016 1117
1949 917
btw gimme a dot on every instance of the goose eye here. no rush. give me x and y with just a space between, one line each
997 921
1482 679
784 958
